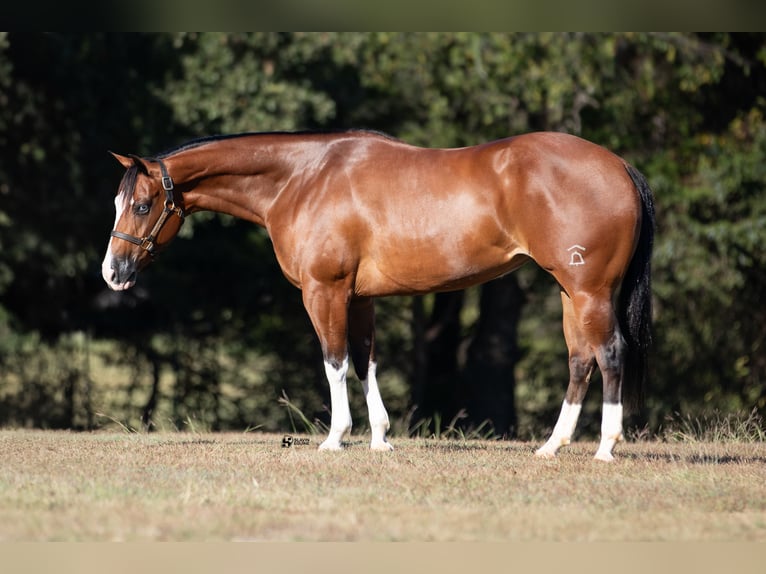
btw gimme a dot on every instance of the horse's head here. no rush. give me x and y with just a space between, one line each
144 223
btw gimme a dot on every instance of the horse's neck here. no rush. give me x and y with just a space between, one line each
236 178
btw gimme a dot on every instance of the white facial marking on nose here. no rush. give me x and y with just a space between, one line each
106 265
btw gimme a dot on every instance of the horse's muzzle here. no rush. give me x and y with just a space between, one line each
119 274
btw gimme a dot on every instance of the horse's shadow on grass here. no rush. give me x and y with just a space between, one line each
695 458
449 446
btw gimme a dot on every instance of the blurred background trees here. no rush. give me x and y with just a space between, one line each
213 335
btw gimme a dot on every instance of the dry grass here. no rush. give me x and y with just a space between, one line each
103 487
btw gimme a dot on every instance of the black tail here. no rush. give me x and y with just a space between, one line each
635 303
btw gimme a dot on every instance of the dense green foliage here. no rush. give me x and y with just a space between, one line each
686 109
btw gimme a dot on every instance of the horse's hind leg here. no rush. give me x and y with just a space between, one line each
582 361
597 322
361 337
611 359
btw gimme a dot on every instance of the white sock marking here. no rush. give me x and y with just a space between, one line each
611 430
340 422
562 432
379 424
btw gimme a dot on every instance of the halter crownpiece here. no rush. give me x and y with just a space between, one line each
147 243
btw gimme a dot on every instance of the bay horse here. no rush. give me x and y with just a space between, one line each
357 215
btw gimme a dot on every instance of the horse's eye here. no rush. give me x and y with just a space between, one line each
141 209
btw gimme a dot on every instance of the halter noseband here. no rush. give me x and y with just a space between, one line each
147 243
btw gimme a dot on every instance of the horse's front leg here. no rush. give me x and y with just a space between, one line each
361 338
340 422
327 307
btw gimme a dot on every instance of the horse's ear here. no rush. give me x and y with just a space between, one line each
126 162
140 163
130 160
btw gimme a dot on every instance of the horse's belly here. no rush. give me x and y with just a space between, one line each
412 272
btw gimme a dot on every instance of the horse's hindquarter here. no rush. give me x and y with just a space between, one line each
575 209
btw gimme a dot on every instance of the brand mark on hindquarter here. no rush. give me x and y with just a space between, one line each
576 255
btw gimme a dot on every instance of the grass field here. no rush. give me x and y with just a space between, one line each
221 487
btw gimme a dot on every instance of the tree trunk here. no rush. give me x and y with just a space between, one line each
488 382
151 403
437 375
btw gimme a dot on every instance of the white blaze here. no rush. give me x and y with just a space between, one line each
106 265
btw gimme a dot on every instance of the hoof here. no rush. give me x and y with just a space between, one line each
544 453
327 445
604 456
381 446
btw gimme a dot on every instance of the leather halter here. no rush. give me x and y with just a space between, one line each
147 242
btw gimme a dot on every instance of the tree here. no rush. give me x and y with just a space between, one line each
687 109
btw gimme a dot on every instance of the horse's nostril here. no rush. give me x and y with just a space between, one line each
123 271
